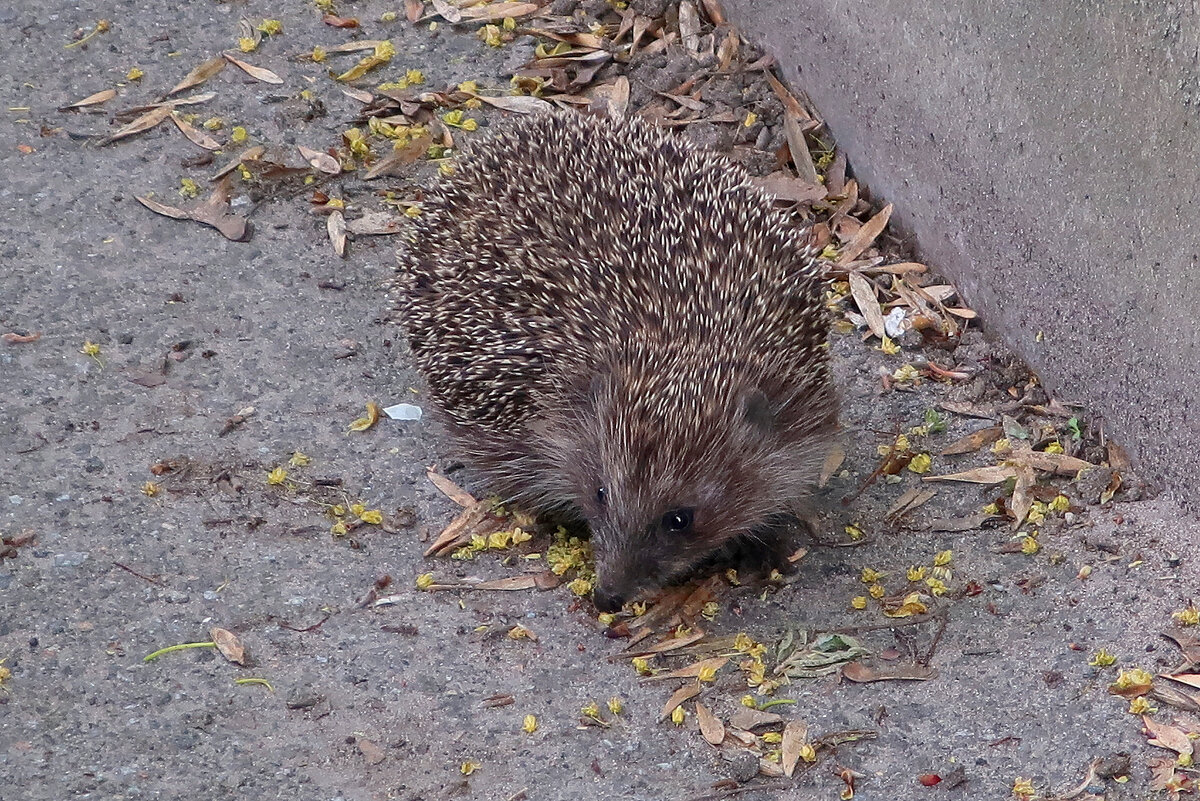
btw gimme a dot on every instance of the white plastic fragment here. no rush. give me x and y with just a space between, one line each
403 411
895 324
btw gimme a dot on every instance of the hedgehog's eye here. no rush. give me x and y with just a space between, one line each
602 496
677 521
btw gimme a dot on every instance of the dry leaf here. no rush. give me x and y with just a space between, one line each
866 235
494 12
199 74
748 719
11 338
335 225
376 223
334 21
319 160
692 671
1190 679
447 11
864 295
451 490
666 646
996 474
229 645
390 164
974 441
1022 497
858 672
795 735
714 12
258 73
413 10
910 500
1166 736
785 186
214 211
684 693
373 753
519 104
354 47
801 157
711 727
194 134
143 123
833 460
689 27
103 96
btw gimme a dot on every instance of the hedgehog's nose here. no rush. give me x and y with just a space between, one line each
607 601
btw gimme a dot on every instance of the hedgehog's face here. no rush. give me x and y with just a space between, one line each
666 485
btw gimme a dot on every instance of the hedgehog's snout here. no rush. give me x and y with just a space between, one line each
607 600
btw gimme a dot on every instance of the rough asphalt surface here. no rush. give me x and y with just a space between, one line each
388 702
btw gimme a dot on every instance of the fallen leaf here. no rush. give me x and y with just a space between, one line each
966 523
229 645
12 338
748 719
973 441
519 104
1166 736
795 735
143 123
258 73
711 727
693 670
335 224
860 673
864 296
866 235
447 11
320 161
684 693
788 187
996 474
833 460
495 12
214 211
199 74
1022 497
390 164
1190 679
334 21
909 501
103 96
793 130
377 223
451 490
666 646
194 134
373 753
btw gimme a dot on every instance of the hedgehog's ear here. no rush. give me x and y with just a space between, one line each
758 411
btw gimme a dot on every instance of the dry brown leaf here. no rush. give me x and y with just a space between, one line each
711 727
748 719
194 134
1166 736
795 735
666 646
693 670
785 186
866 235
684 693
143 123
334 21
910 500
689 27
214 211
1059 463
335 226
974 441
714 12
967 523
1190 679
451 490
354 47
833 460
864 295
1022 497
361 95
793 130
446 11
371 752
392 162
996 474
12 338
495 12
320 161
103 96
860 673
228 644
413 10
519 104
258 73
199 74
376 223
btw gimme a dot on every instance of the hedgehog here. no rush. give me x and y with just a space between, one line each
618 327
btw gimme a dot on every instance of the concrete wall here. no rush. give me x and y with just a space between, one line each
1044 154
